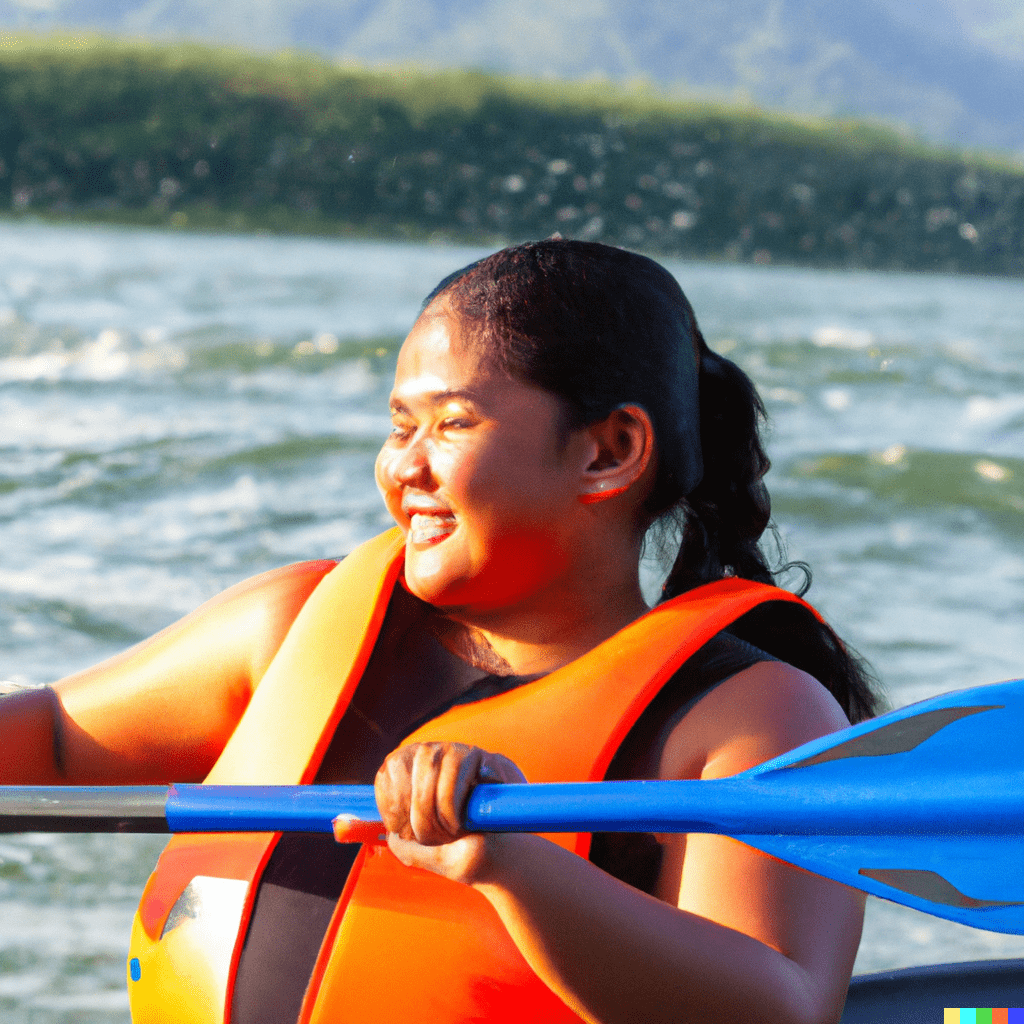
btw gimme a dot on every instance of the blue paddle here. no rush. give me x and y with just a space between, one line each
923 806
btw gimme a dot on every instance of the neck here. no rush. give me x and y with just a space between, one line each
550 633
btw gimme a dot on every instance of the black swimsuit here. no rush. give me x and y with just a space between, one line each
307 872
635 857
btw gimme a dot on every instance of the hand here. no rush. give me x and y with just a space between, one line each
421 792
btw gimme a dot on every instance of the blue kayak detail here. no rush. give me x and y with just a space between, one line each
918 995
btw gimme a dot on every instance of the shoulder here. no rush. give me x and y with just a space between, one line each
270 602
282 591
273 596
760 712
165 708
236 633
299 576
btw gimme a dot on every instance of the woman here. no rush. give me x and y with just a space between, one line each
551 403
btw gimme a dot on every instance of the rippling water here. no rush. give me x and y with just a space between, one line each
178 412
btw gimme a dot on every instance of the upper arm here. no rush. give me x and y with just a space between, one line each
815 923
163 710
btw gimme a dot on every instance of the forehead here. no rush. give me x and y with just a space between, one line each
439 355
443 361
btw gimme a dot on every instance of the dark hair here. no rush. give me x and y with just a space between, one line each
599 327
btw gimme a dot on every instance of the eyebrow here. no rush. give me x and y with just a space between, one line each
437 398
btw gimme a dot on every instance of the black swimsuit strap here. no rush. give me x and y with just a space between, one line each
635 857
486 686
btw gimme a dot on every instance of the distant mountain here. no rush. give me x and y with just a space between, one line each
950 70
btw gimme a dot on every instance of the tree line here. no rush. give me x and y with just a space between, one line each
206 137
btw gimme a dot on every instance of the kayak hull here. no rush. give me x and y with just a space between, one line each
918 995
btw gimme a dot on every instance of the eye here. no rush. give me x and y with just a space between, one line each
400 430
455 423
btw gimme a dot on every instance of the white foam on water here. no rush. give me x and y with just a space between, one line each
105 358
993 411
842 337
837 399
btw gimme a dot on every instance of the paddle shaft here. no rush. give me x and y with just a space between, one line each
83 809
783 803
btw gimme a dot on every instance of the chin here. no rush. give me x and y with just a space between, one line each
456 597
449 577
428 578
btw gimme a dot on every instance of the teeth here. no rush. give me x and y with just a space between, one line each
423 528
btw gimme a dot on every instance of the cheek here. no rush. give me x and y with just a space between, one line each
518 516
502 472
515 490
383 472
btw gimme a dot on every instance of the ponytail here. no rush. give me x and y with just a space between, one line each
726 514
723 520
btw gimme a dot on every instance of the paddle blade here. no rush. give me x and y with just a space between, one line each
989 743
947 775
974 880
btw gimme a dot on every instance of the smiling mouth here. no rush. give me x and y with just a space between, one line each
425 529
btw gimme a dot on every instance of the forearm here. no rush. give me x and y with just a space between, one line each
614 954
30 750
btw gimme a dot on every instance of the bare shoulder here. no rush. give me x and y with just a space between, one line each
245 623
298 579
271 601
814 923
163 709
757 714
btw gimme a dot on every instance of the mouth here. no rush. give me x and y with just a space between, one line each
430 529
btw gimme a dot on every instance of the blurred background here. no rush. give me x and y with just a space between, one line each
949 69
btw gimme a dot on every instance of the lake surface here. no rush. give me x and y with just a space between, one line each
179 412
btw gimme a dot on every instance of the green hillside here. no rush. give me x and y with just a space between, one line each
195 136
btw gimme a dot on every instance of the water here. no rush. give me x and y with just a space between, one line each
179 412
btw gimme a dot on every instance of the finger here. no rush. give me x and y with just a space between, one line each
408 851
393 789
498 768
459 773
423 820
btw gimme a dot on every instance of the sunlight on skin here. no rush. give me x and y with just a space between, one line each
477 476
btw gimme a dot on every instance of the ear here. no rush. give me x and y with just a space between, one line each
624 443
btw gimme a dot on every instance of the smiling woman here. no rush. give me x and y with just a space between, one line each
551 403
476 474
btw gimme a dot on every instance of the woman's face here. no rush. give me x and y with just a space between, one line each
477 474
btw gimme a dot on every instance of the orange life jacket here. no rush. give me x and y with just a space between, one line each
403 942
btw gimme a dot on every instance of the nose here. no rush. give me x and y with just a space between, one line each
413 467
408 466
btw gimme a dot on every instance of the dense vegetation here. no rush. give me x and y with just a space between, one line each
196 136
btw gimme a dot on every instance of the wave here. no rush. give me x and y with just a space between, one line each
908 478
30 352
134 472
